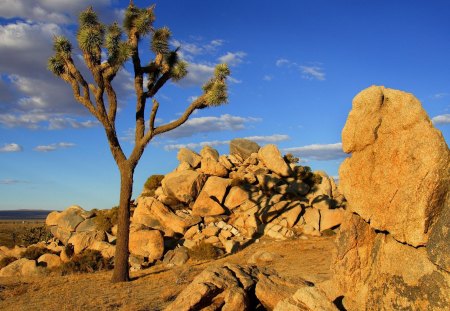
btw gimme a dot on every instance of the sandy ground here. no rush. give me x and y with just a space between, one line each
154 288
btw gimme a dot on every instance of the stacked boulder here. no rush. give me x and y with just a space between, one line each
228 200
393 246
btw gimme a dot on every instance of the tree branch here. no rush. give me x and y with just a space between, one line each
199 103
159 84
153 115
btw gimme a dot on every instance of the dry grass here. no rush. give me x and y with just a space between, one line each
154 288
9 228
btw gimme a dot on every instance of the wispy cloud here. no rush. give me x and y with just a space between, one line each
53 147
13 147
439 95
267 78
259 139
225 122
232 59
312 72
8 181
441 119
309 72
318 152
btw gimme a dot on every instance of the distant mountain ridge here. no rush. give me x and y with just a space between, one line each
23 214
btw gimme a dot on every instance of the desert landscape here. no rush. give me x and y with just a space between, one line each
234 222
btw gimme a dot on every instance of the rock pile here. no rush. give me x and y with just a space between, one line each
228 200
393 245
225 201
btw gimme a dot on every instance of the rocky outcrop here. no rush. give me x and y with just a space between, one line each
271 157
399 164
392 247
147 243
237 287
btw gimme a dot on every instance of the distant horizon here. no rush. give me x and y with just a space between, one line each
295 68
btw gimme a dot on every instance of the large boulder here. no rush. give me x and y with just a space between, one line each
22 267
152 213
204 205
68 219
183 186
51 261
216 187
399 172
243 147
306 298
188 156
83 240
147 243
208 152
212 167
218 288
272 159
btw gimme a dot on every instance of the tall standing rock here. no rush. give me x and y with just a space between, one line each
398 175
396 184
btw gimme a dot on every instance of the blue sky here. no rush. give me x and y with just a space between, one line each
296 66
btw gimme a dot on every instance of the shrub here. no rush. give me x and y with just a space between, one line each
87 261
106 219
6 261
152 183
30 236
289 158
204 251
34 252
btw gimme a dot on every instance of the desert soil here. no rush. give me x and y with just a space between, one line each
8 227
155 287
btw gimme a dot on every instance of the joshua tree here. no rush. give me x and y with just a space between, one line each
93 38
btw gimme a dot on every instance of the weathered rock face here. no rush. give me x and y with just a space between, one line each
147 243
183 186
51 261
393 179
397 186
271 157
374 271
84 240
243 147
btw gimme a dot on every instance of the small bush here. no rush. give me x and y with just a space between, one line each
204 251
106 219
69 250
34 252
30 236
6 261
87 261
289 158
153 182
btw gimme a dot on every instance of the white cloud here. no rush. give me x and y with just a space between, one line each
318 152
189 50
55 11
267 78
34 95
198 74
232 59
11 148
312 72
441 119
225 122
192 98
259 139
53 147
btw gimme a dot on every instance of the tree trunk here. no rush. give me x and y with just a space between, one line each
121 271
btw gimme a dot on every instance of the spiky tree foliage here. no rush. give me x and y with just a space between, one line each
93 37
